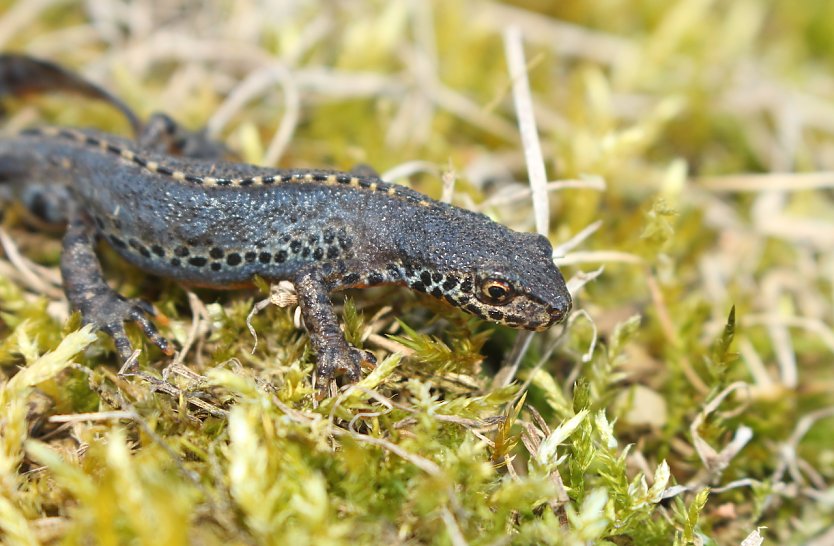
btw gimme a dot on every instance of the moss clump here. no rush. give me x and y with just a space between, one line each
687 400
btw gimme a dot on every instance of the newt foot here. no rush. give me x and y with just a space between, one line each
109 314
333 362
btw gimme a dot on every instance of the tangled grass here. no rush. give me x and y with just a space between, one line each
679 156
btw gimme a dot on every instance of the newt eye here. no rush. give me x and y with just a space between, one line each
497 291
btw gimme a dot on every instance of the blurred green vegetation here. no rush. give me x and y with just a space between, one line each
687 400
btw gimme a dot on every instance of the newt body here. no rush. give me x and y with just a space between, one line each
213 223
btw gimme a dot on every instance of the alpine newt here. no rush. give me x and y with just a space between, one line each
176 210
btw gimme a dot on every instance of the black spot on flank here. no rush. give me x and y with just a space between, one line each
134 243
250 256
305 252
393 271
295 246
117 242
264 257
418 286
223 182
495 314
312 240
285 238
175 262
233 259
318 177
409 271
436 277
364 183
344 243
268 179
140 161
332 252
144 252
286 178
343 179
318 253
463 299
216 266
351 278
329 236
99 222
425 276
281 256
158 250
162 169
216 253
113 149
181 251
450 283
247 182
92 141
198 261
451 300
194 179
375 278
437 292
466 286
326 268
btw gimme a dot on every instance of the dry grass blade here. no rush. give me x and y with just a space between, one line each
714 461
527 127
767 182
689 163
38 278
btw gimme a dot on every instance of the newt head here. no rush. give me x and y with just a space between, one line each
523 288
508 277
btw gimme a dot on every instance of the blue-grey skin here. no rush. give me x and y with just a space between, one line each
210 223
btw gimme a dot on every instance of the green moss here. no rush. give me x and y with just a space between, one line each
591 442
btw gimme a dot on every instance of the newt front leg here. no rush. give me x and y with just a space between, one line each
99 304
334 355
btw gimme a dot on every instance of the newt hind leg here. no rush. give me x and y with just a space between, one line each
48 204
99 304
164 135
